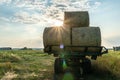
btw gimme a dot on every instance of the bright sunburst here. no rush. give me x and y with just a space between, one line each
58 23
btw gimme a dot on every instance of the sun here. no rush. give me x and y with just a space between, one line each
58 23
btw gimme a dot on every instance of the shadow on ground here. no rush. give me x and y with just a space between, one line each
101 73
98 72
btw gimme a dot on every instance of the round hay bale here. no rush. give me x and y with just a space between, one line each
83 36
76 19
56 36
86 36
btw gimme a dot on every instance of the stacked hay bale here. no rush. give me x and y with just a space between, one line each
86 36
56 36
75 32
76 19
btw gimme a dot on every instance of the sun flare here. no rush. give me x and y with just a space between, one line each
58 23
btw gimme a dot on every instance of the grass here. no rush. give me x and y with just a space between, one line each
106 67
25 65
36 65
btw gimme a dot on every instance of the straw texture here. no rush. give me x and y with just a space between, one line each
86 36
76 19
56 36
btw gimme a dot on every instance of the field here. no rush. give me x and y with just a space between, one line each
36 65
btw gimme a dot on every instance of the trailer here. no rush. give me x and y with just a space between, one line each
73 49
79 62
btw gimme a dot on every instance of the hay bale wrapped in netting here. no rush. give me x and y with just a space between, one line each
86 36
56 36
76 19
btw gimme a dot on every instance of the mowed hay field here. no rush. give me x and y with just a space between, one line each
25 65
36 65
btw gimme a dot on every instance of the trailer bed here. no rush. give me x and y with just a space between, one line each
76 50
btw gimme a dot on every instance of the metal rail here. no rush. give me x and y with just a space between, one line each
98 50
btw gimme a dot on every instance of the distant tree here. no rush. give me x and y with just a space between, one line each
25 48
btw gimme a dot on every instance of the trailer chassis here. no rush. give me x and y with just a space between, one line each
75 62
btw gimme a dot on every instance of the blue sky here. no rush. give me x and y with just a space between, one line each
22 21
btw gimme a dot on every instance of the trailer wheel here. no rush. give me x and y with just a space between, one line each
58 66
55 77
86 65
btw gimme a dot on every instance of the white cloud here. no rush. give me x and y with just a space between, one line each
44 9
5 1
31 30
25 17
4 19
97 4
35 11
39 13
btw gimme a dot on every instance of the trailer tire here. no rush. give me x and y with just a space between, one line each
58 66
55 77
86 65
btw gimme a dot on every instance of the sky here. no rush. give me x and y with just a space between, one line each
22 22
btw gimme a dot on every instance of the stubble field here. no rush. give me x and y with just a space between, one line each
36 65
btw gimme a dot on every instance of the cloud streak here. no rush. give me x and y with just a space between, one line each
35 11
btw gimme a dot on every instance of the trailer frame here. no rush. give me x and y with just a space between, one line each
77 60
